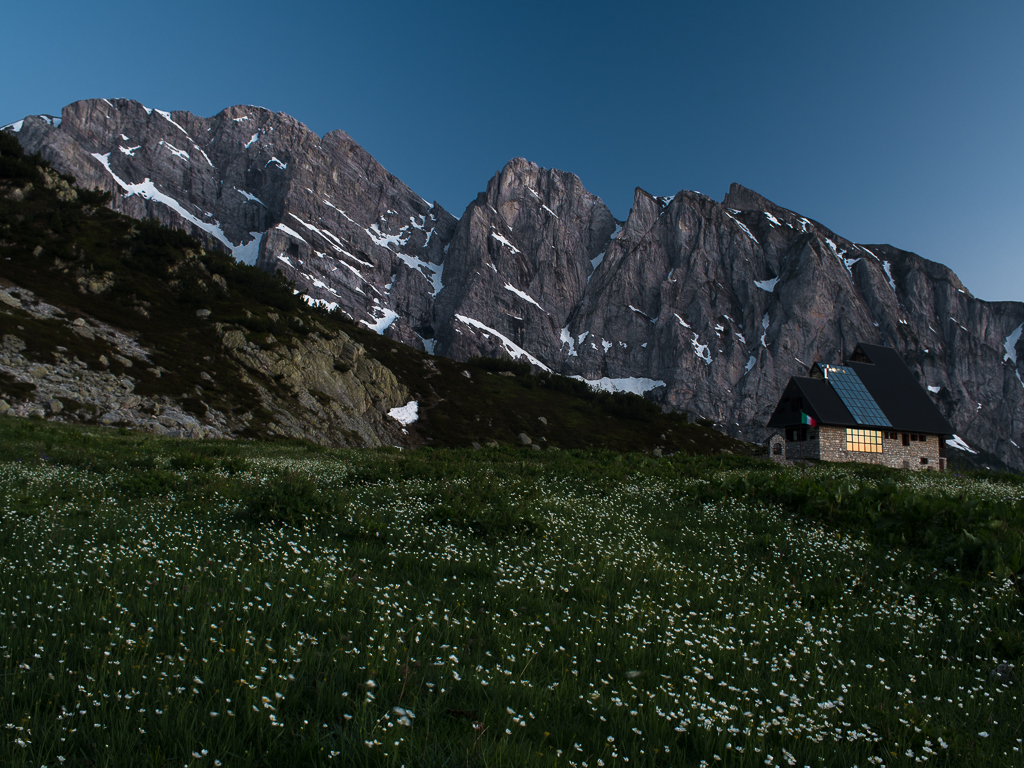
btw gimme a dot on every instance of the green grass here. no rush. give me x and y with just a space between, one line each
172 603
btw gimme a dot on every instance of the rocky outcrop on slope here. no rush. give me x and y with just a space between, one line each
706 306
66 388
337 395
321 388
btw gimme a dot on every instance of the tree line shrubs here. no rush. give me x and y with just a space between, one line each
622 404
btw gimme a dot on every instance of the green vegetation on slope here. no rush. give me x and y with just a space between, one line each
187 603
457 409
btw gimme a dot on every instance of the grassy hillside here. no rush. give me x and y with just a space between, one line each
174 603
497 399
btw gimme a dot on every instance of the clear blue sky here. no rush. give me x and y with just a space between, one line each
898 122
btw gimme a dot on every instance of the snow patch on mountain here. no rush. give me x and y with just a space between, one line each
504 242
147 189
513 349
743 227
566 338
888 274
432 272
289 231
250 198
406 414
247 253
1010 344
167 116
701 350
524 296
383 318
958 442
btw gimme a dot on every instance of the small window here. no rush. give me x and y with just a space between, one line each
906 439
924 460
777 449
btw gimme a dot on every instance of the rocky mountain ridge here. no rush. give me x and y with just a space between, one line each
704 306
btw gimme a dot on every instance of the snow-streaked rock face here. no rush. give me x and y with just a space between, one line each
684 286
722 302
519 263
265 187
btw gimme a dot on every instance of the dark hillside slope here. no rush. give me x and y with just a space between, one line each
110 319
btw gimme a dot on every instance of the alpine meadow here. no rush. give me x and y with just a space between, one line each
172 603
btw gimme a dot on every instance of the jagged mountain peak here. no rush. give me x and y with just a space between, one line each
742 199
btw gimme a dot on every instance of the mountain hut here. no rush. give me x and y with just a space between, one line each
871 410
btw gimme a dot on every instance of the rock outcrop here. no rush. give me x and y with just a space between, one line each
705 306
322 388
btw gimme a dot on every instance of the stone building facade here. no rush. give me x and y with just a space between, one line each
899 450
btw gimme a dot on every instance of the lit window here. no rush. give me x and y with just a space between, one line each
864 440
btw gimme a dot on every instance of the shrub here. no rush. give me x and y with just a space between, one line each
501 364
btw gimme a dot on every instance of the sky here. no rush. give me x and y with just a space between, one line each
895 122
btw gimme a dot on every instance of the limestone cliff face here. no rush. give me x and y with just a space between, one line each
725 301
518 264
706 306
716 305
263 186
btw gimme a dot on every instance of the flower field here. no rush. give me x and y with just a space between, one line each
169 603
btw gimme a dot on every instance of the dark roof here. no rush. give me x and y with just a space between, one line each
819 401
897 392
887 379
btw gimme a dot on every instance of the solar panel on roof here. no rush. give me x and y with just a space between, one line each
855 396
